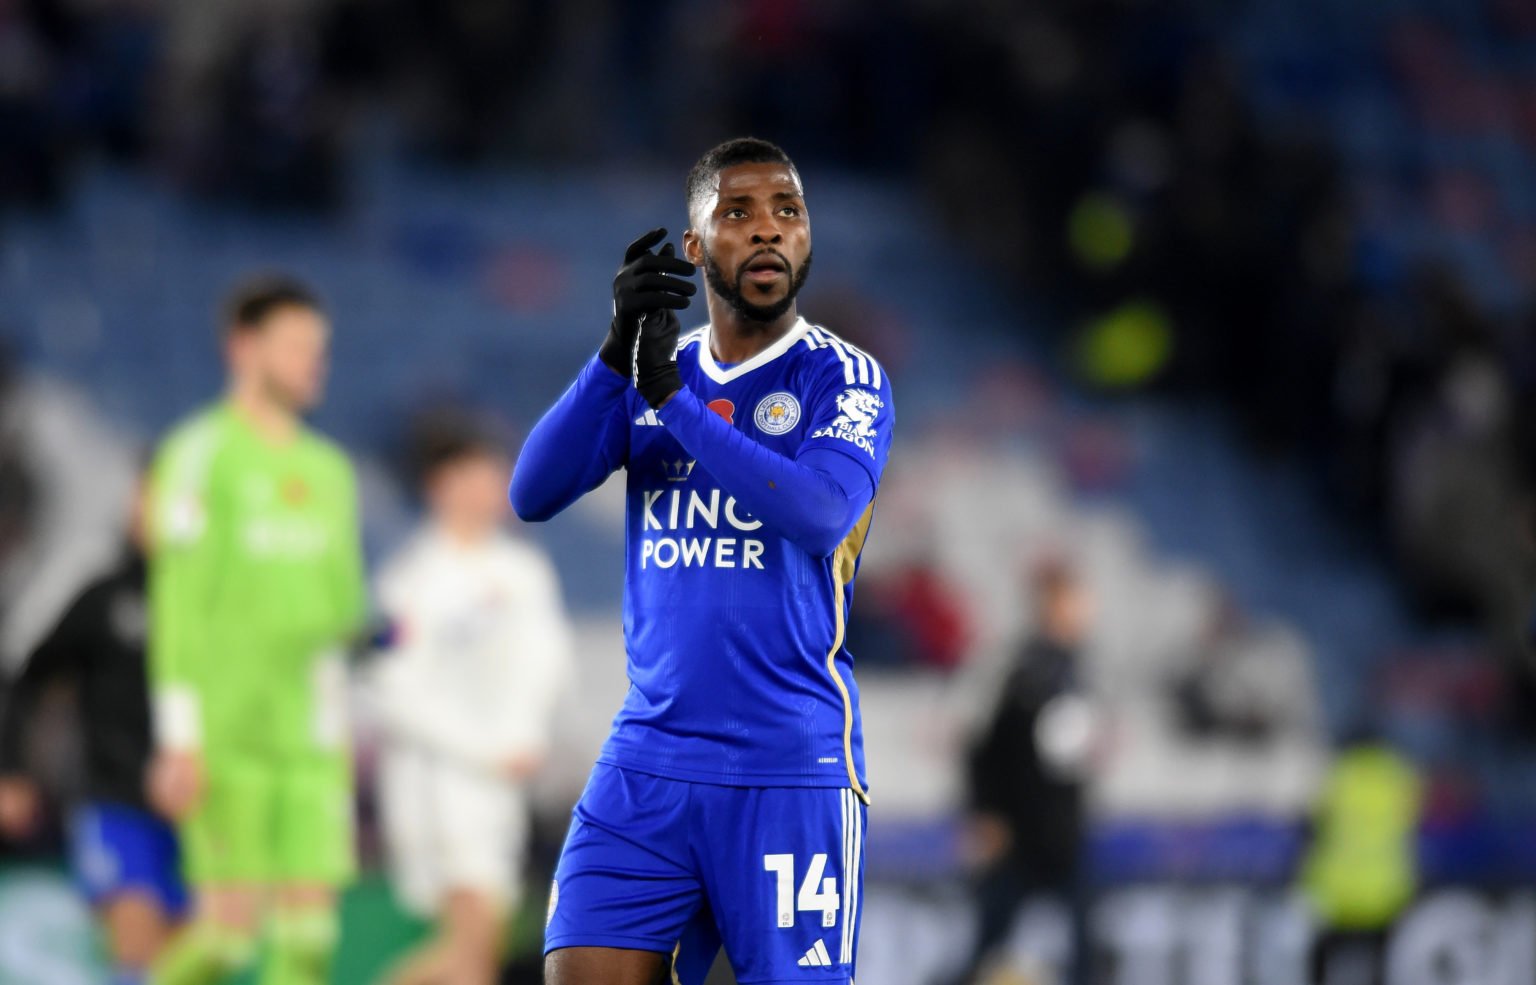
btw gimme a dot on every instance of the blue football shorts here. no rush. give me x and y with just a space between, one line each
115 848
773 874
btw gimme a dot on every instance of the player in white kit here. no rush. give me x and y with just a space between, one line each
465 694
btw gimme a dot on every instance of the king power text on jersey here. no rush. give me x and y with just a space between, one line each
672 511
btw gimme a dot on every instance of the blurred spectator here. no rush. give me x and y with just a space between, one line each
1360 872
1240 689
466 694
1027 776
1455 477
124 857
910 617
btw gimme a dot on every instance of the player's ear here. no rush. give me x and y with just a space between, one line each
693 250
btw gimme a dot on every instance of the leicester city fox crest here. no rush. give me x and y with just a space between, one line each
777 413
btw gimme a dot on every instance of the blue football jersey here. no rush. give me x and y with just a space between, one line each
738 670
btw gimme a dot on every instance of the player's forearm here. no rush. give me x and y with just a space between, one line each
176 640
537 682
813 507
177 717
525 722
176 707
570 451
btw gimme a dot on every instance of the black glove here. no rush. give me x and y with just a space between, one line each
655 369
647 282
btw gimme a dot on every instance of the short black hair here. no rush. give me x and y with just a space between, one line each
253 300
445 436
450 449
703 176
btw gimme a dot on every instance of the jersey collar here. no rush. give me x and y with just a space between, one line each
713 370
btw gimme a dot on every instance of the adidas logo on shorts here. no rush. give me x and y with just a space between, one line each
816 957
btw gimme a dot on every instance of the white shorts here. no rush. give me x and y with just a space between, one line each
447 828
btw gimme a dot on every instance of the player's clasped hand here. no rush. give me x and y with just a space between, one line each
656 376
647 282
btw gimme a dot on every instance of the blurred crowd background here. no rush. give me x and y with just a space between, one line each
1209 539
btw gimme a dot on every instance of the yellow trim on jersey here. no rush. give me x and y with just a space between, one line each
676 950
844 560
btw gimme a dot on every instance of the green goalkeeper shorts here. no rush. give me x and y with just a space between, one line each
272 821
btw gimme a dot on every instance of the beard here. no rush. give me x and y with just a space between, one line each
731 290
297 399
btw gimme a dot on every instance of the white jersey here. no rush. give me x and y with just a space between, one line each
481 649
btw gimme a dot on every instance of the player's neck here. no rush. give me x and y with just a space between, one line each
734 338
272 421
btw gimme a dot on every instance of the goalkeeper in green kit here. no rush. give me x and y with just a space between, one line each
256 585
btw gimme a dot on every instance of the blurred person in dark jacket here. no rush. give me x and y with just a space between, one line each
1027 775
124 856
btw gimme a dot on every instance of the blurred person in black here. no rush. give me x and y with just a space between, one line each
124 857
1026 777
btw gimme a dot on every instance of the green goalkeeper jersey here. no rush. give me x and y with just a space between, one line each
256 582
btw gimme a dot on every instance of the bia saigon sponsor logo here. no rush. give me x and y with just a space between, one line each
855 420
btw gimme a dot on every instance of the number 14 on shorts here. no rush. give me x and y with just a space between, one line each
816 892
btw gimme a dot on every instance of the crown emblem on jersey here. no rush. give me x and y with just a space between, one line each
679 470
